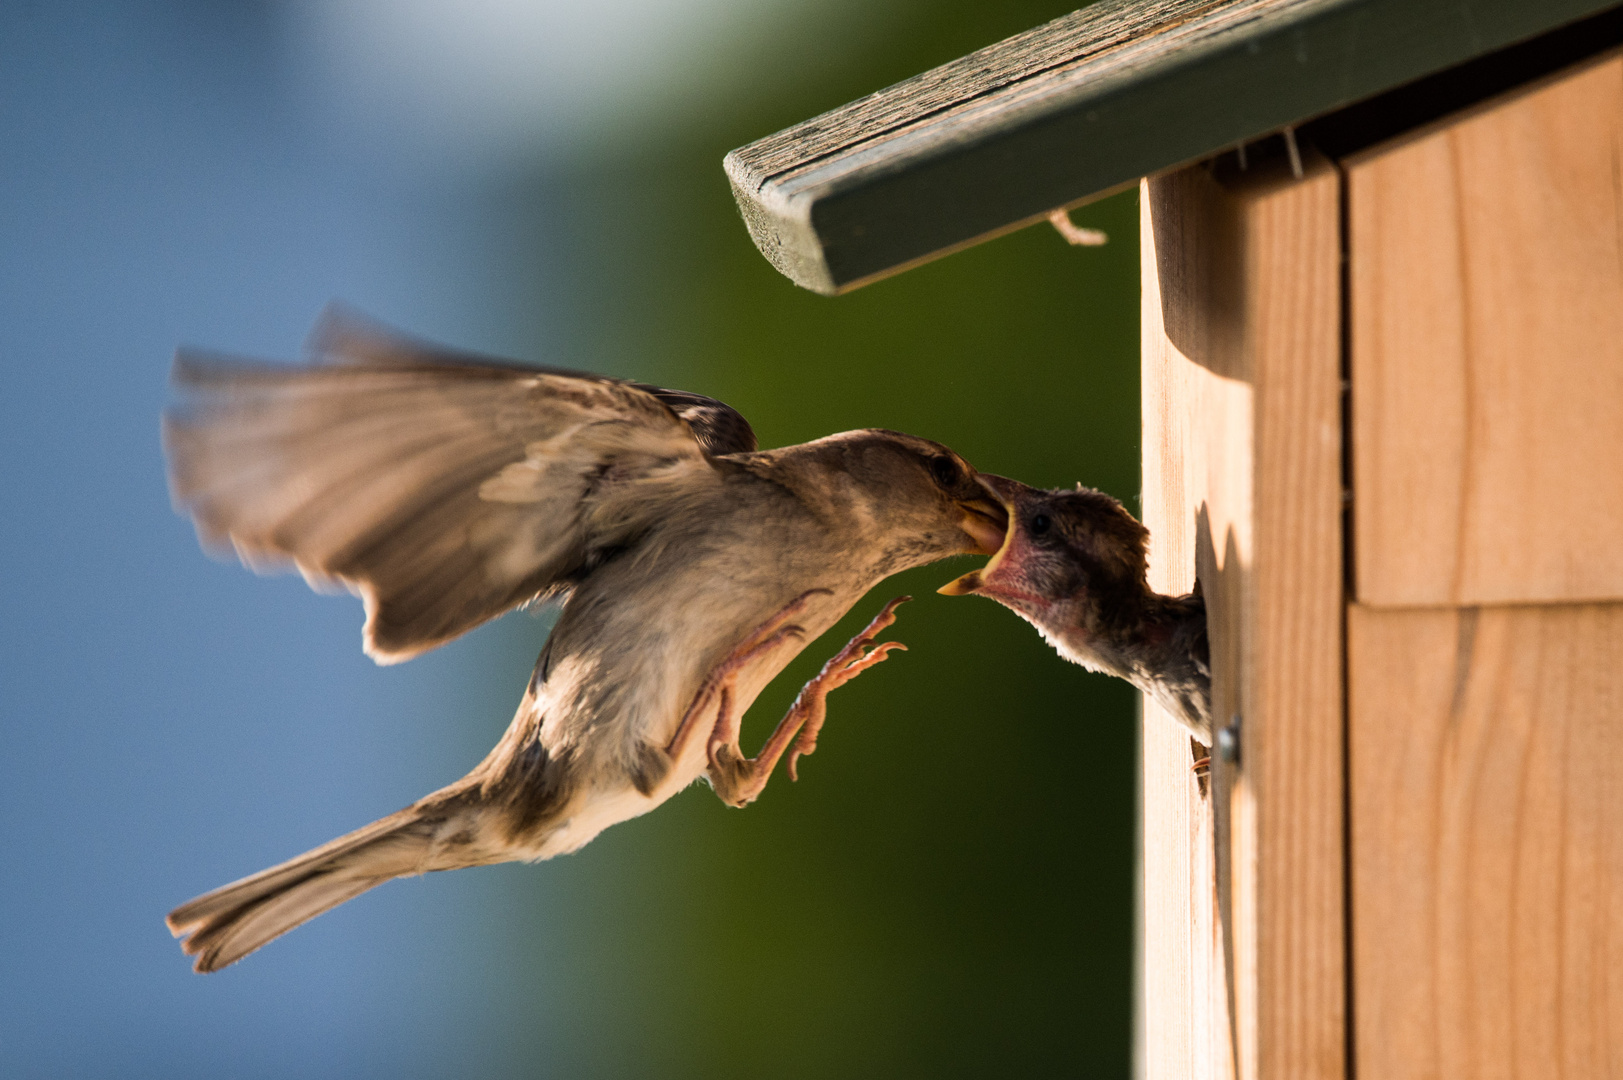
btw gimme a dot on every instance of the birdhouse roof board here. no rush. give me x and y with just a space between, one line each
1084 106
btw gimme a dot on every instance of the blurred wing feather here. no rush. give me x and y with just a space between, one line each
343 335
443 491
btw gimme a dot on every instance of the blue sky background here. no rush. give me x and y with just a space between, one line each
162 185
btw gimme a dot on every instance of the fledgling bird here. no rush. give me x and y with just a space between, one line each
446 489
1073 564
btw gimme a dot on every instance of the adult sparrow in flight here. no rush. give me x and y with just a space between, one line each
446 489
1073 565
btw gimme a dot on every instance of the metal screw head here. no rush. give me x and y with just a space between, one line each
1228 741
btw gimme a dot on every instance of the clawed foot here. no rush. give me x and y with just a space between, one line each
737 779
846 665
719 683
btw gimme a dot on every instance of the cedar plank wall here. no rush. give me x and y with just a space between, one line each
1243 931
1486 647
1484 651
1487 329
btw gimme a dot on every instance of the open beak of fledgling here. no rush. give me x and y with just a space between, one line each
1003 490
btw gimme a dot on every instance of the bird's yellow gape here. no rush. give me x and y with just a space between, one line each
972 581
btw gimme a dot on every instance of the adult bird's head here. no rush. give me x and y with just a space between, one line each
914 499
1071 558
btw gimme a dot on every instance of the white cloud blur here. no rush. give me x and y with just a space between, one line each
483 83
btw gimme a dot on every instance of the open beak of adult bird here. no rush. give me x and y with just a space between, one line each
997 578
984 520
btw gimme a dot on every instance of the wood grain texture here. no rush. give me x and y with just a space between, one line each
1487 841
1487 352
1241 393
1197 454
1293 695
1081 107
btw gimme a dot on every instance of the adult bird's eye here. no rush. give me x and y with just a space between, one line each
1039 524
944 470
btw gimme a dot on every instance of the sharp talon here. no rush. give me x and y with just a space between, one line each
797 605
719 741
1202 767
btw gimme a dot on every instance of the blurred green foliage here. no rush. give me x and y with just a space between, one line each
948 890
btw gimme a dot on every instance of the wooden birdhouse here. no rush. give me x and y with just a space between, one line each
1383 422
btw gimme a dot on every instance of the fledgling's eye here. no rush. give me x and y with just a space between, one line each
944 470
1039 525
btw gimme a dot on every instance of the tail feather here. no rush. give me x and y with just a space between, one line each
223 926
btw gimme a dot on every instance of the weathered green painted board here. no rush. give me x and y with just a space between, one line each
1081 107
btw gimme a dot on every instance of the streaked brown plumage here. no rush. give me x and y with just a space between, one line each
1073 564
446 489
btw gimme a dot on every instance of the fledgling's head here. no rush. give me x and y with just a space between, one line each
915 499
1073 561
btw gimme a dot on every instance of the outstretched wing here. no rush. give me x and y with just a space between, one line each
443 490
343 335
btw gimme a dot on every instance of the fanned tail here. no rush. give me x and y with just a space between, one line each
510 807
223 926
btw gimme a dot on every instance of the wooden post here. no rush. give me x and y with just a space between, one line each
1243 926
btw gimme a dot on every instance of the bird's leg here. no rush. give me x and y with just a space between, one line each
1202 763
769 635
846 665
737 779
